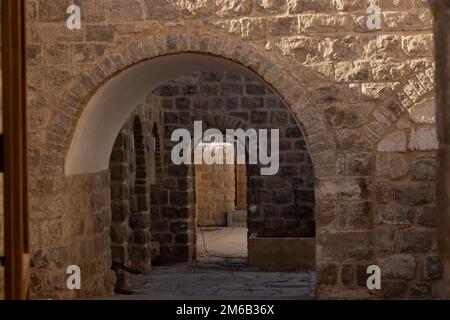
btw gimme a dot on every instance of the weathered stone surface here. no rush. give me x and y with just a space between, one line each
359 164
344 118
124 10
415 241
423 138
383 192
432 268
352 71
341 189
380 47
395 215
196 8
100 33
424 112
401 266
391 165
385 239
347 245
327 274
325 212
230 8
413 194
424 169
418 45
428 217
393 142
357 215
161 9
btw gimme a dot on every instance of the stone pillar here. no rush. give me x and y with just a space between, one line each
139 248
441 9
120 209
241 187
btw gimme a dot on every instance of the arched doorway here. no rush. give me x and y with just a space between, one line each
274 212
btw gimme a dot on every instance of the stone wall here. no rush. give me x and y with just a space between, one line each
405 211
131 176
442 41
281 205
70 226
215 189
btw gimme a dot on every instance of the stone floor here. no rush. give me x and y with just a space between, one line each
222 242
221 272
215 278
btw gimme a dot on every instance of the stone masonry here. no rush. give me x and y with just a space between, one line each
281 205
131 165
362 98
216 196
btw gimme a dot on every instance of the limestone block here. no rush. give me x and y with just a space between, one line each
401 266
392 165
415 241
125 10
196 8
393 142
327 274
352 71
385 239
345 245
432 267
340 189
424 112
324 23
424 169
383 46
354 215
161 9
418 45
428 216
423 138
232 8
53 11
395 215
413 194
283 26
302 49
253 28
404 21
271 6
383 70
383 192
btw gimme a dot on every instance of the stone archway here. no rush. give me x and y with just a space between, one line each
80 138
333 72
75 140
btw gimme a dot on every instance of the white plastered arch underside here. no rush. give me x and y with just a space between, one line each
106 112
